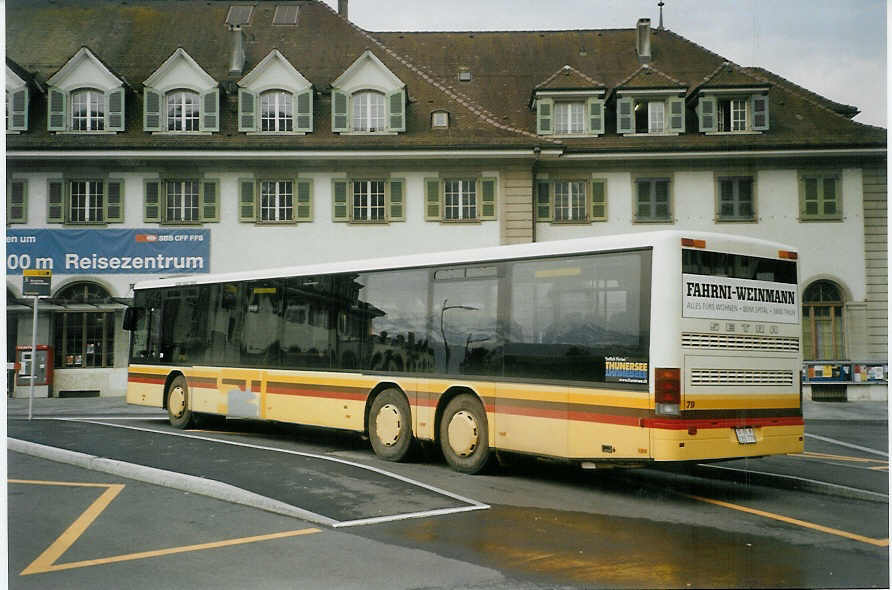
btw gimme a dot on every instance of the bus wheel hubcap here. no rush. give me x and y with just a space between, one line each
388 424
463 433
177 402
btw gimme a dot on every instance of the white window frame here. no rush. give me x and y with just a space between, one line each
276 201
569 117
276 111
460 199
368 200
180 122
570 202
176 201
368 115
93 118
86 205
656 116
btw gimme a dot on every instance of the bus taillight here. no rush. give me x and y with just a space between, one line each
667 391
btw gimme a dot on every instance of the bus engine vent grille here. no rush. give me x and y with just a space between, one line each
741 377
741 342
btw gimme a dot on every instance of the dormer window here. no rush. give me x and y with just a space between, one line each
732 113
276 111
369 112
182 111
569 118
275 98
650 115
569 103
368 98
87 110
180 97
84 96
439 119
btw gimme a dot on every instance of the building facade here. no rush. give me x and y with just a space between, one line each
280 133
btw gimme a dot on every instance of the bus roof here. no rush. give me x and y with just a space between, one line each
730 243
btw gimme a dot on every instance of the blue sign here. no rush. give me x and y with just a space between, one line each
109 251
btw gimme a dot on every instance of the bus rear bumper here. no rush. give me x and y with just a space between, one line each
725 442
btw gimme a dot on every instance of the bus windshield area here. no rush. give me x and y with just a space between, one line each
550 319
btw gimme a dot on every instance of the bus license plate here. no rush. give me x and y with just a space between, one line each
746 436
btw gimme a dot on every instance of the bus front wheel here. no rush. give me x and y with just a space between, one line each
178 411
464 435
390 426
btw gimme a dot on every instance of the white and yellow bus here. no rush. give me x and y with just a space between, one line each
620 350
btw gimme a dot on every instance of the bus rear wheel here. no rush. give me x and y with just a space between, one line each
390 426
178 412
464 435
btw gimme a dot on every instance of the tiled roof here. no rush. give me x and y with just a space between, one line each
134 38
568 78
729 75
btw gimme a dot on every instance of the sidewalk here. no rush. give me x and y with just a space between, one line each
856 410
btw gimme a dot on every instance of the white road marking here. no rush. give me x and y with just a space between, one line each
845 444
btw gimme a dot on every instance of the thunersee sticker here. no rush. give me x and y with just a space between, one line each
725 298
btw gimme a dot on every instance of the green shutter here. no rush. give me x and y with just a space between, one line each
114 200
829 196
152 201
210 200
543 200
396 105
151 115
247 202
55 201
339 209
625 115
397 199
56 110
706 109
114 113
340 121
759 108
595 116
544 116
303 112
17 202
18 120
599 200
676 114
432 201
247 110
488 190
209 115
304 196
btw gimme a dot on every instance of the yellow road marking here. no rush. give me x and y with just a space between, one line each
811 455
880 468
46 561
795 521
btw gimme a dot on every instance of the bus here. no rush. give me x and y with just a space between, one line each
623 350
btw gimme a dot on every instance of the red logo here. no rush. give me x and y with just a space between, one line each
143 238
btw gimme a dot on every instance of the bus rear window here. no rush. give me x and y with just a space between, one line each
737 266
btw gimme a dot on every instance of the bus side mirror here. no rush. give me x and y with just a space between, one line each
130 317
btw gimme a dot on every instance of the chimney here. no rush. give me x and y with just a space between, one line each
237 58
342 8
643 40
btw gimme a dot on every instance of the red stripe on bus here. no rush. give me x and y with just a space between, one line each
143 378
294 389
680 424
203 382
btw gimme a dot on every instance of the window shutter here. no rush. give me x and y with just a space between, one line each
247 203
488 189
210 200
209 115
676 114
397 199
303 113
151 115
247 110
56 110
432 203
396 105
17 203
810 202
625 115
544 116
599 200
18 120
304 206
595 119
543 201
340 121
706 108
114 200
339 209
55 201
152 201
114 111
759 107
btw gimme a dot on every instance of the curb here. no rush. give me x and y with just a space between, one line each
170 479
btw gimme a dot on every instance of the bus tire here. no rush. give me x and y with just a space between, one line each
464 435
390 425
178 412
